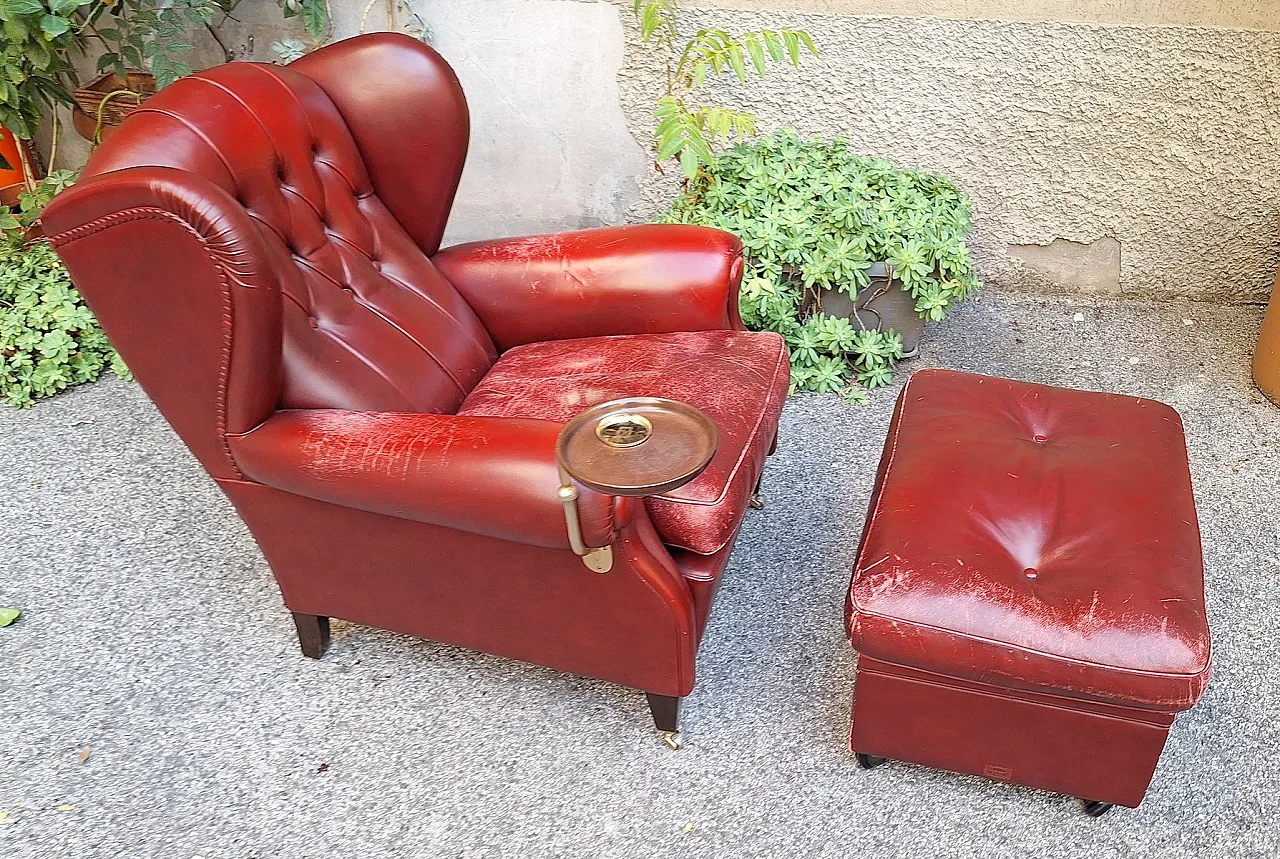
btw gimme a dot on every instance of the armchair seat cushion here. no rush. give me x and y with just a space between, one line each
738 378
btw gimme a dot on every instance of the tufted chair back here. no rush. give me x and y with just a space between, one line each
300 205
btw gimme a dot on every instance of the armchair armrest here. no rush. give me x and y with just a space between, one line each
496 477
646 279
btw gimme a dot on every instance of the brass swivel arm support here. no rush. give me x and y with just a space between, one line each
596 560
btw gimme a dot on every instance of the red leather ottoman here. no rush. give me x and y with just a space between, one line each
1028 599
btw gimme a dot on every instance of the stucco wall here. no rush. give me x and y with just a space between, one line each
1243 14
1103 158
1161 139
550 148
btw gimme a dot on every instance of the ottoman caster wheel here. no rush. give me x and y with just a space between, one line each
671 739
868 762
1097 809
757 495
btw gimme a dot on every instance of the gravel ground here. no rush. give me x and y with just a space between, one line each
153 639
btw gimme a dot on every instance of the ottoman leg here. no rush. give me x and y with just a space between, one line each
666 717
868 762
757 495
1097 809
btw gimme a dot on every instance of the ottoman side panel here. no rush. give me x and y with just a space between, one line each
1053 747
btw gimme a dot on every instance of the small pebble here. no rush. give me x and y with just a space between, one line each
1188 322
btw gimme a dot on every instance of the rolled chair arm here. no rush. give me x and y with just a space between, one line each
496 477
644 279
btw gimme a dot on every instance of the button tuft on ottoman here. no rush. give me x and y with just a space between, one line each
1028 599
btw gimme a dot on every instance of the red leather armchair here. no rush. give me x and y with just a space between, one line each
262 246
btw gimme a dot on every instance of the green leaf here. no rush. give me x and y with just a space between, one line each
774 44
792 40
757 53
808 42
738 62
315 18
24 7
54 26
689 161
8 616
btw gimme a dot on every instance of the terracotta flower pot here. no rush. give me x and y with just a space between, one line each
1266 356
104 102
16 174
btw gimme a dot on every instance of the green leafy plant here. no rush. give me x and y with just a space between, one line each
39 39
35 59
149 34
314 15
812 215
399 16
687 129
49 340
14 223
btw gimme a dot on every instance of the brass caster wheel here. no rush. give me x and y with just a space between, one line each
1097 809
671 739
757 500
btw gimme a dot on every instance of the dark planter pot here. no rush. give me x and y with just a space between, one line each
882 305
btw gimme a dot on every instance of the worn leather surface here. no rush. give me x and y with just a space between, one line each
257 243
1035 537
642 279
738 378
491 476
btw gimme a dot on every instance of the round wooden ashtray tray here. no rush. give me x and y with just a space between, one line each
637 446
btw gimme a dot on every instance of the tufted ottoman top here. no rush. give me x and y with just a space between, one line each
1036 538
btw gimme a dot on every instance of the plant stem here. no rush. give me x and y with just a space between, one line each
226 52
53 146
27 178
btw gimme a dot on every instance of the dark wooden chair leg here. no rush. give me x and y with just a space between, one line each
313 634
666 716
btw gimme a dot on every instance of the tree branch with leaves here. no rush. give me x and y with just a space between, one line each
687 128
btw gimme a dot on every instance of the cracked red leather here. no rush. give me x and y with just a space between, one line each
1038 538
496 477
738 378
644 279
